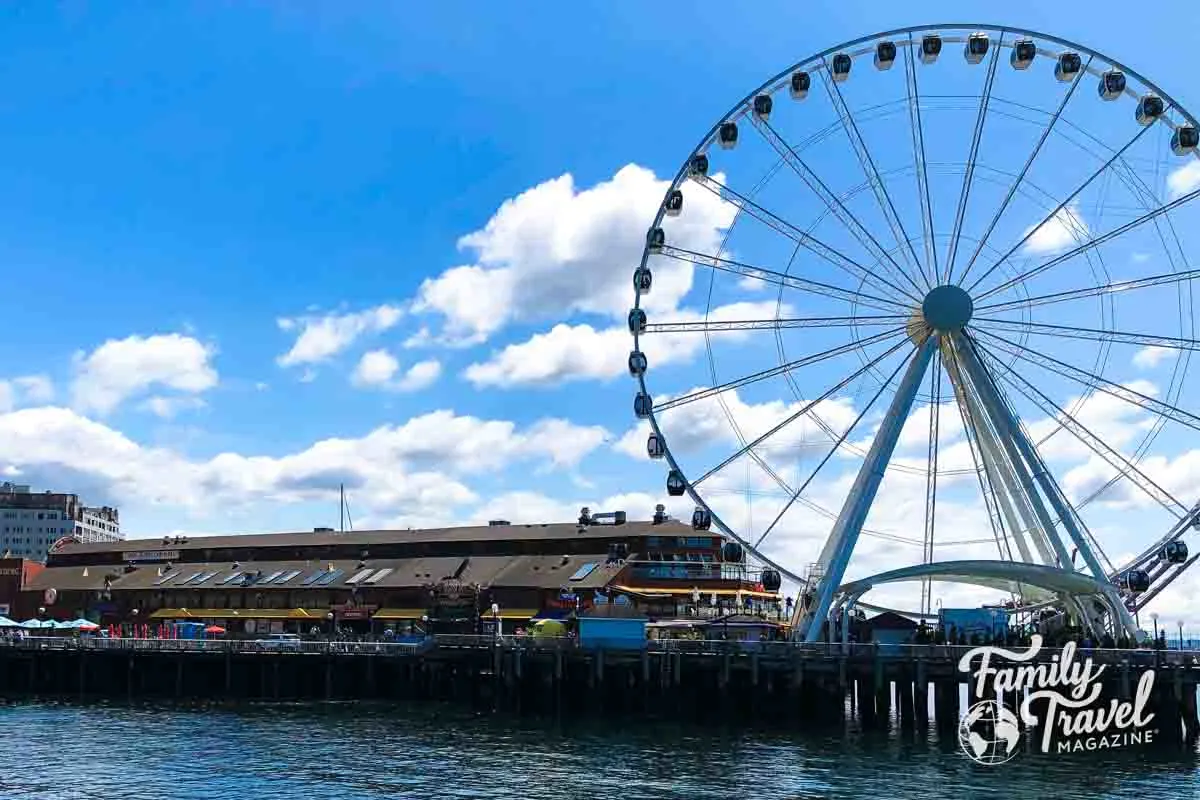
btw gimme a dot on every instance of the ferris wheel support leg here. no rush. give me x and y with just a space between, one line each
1015 503
1013 436
840 544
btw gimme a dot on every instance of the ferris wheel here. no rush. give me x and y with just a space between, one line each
947 322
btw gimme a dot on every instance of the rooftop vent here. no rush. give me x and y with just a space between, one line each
322 530
498 523
608 518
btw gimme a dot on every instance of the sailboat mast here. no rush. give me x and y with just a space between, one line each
342 507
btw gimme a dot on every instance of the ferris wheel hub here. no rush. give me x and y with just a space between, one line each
947 308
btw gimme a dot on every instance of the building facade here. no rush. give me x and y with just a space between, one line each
443 579
31 522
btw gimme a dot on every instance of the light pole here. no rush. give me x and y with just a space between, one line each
1180 624
1154 617
496 620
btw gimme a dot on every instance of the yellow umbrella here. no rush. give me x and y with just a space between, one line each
549 627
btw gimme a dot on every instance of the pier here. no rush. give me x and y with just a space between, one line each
781 683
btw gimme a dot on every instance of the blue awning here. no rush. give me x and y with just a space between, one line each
552 613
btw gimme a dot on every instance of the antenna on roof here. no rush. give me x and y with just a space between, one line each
343 510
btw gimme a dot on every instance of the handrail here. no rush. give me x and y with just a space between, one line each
774 649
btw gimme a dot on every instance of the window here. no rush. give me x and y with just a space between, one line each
330 577
378 576
359 576
287 576
583 572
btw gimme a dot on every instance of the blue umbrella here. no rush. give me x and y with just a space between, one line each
37 623
5 622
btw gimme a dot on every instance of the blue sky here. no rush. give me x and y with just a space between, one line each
234 238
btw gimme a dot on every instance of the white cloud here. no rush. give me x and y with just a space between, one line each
169 407
1058 233
581 352
122 368
1183 180
25 390
555 249
1150 357
378 369
420 376
323 336
418 465
375 368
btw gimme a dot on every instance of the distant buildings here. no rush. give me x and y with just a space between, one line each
30 523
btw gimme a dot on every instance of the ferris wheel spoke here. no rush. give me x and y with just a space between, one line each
878 187
1114 458
831 200
1092 381
931 472
1093 243
1116 287
802 238
984 380
825 355
921 172
969 173
836 446
805 409
984 473
711 326
780 279
1012 189
1050 218
1092 334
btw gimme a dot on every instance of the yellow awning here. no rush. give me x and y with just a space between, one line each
511 613
398 613
238 613
703 592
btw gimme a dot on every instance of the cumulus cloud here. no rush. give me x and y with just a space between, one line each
25 390
582 352
123 368
416 465
378 369
1150 357
169 407
1183 180
557 249
320 337
1058 233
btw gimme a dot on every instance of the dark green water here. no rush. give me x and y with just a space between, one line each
344 751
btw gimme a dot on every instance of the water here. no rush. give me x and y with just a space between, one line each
349 751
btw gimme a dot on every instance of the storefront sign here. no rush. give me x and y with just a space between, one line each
10 572
151 555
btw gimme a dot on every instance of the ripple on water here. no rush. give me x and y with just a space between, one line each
344 752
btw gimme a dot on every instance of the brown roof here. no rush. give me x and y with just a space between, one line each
568 530
76 579
509 571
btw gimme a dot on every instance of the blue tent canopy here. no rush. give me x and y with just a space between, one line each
37 623
5 622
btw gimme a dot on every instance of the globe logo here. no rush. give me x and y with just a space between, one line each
989 733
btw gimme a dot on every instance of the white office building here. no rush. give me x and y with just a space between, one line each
31 522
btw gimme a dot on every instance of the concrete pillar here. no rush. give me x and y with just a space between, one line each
921 693
904 700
